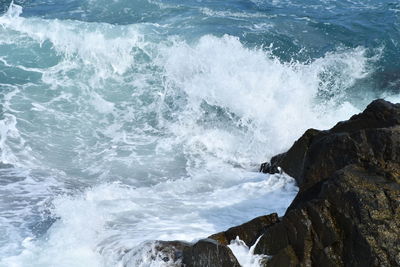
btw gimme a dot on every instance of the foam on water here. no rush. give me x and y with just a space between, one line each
106 222
271 102
120 136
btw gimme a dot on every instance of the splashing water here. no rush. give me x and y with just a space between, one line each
114 134
245 255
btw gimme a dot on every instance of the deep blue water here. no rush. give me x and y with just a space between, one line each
128 121
316 27
297 30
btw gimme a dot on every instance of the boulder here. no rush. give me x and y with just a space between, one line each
171 252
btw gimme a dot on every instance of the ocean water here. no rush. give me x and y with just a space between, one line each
125 122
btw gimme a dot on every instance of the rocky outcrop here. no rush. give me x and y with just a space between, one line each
347 211
352 220
366 138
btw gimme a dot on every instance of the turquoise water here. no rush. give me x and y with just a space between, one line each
124 122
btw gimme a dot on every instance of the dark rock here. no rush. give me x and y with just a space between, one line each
347 212
318 154
353 220
171 251
291 161
209 253
270 168
285 257
204 253
214 251
248 232
168 252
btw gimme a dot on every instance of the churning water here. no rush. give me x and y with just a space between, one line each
128 121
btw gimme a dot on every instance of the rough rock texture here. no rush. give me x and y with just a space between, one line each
171 252
213 251
368 138
347 212
209 253
248 232
204 253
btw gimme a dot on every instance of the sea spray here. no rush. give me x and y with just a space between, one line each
114 135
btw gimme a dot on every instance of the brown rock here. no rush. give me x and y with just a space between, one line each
209 253
204 253
249 232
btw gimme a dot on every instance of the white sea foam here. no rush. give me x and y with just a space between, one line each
273 102
238 15
109 220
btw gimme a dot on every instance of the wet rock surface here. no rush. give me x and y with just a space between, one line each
208 253
366 138
352 221
347 211
204 253
248 232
